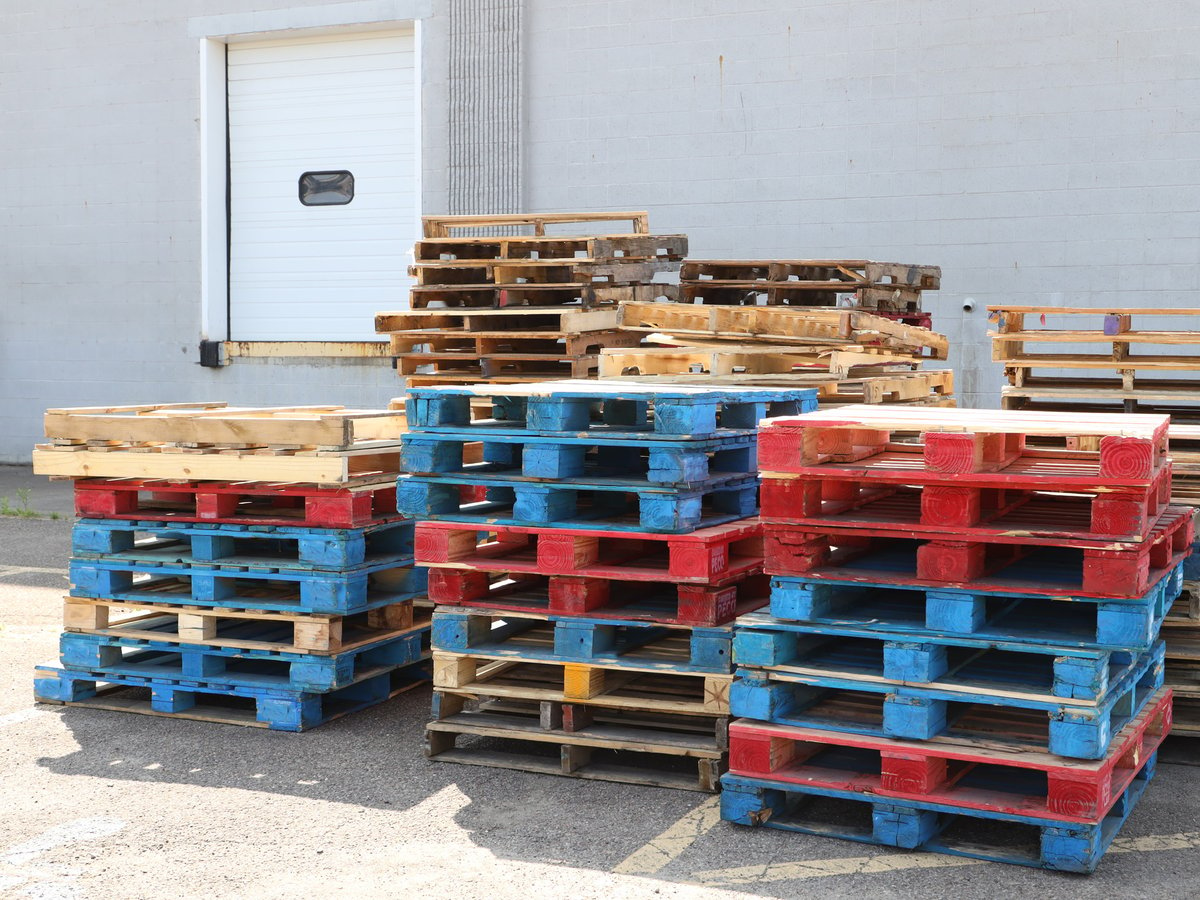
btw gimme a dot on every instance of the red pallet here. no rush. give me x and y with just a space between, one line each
599 598
821 502
873 555
959 772
706 556
241 502
967 446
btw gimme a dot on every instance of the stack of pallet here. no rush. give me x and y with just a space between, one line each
891 290
523 308
962 650
1096 347
584 599
1085 342
848 355
235 565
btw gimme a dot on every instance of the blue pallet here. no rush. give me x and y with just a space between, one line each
102 655
949 662
605 408
1081 622
924 825
1191 565
1076 729
274 708
584 460
606 508
602 642
276 546
358 590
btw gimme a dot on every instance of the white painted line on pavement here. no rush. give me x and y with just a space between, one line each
59 835
660 851
874 865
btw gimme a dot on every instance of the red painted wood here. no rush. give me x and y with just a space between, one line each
577 596
1076 791
950 507
1107 569
707 556
236 502
455 587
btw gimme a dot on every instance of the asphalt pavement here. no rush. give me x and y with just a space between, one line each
97 804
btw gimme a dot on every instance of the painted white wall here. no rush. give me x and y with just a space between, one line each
1039 154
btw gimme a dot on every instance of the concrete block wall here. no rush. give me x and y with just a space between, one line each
1041 155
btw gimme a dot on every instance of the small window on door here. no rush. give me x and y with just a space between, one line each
326 188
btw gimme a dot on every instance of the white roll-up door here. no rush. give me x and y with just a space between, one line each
320 121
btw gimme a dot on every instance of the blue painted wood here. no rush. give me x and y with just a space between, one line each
654 412
358 590
279 709
609 507
101 655
301 548
1008 618
972 662
586 459
605 642
1077 729
929 826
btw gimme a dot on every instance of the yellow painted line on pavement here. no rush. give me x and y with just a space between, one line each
661 850
892 862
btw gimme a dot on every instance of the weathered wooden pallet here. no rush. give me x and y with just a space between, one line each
1074 621
1186 607
544 247
923 386
472 322
1018 716
538 637
244 503
1005 515
706 556
352 468
626 688
495 365
1114 329
505 345
237 587
583 460
560 595
818 273
604 507
442 226
985 564
1128 388
614 408
967 665
217 424
213 665
655 753
250 629
253 546
505 273
838 327
272 708
924 825
962 773
581 295
747 358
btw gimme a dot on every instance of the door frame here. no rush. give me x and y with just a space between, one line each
214 34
